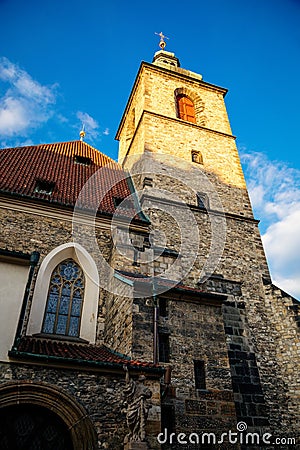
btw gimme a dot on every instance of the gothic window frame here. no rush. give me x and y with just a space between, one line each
89 312
65 300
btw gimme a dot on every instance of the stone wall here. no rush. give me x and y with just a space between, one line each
27 232
283 311
101 395
196 332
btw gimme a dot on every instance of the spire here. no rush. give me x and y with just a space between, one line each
163 58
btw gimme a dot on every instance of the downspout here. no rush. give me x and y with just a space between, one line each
155 324
34 259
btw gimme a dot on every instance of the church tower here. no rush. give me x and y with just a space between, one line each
219 333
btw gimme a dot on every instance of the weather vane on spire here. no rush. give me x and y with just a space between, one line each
162 43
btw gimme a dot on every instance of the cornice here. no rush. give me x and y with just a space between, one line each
172 119
55 212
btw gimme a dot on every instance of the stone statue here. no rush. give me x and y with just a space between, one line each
136 406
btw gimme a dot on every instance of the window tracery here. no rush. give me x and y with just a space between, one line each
65 300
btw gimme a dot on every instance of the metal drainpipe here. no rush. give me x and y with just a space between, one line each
155 333
155 322
34 259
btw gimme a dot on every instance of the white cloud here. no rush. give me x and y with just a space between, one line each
91 126
26 104
274 189
106 132
289 285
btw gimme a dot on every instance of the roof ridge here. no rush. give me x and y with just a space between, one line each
54 144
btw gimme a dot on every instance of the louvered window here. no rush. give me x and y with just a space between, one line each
65 300
186 109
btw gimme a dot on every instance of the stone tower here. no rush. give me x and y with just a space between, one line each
125 322
228 332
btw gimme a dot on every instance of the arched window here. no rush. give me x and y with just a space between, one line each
185 108
65 300
38 321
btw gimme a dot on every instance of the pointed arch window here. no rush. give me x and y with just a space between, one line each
185 108
65 300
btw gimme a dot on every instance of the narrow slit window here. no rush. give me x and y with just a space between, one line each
163 310
199 373
164 347
168 418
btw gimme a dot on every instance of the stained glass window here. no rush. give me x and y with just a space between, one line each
65 299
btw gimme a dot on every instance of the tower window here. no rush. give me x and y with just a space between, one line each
199 373
197 157
185 108
202 200
164 347
65 299
44 187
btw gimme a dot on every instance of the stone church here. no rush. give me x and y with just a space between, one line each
137 308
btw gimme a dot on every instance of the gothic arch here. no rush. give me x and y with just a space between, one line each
198 103
91 295
71 413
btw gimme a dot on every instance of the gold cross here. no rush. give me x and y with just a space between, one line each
162 43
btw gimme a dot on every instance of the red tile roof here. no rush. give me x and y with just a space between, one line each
75 353
22 167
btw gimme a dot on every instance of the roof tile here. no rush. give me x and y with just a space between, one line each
32 346
22 167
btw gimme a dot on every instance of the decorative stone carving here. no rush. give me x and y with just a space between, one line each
136 406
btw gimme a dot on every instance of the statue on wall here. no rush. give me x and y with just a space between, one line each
136 407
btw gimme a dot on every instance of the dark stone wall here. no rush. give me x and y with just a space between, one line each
100 394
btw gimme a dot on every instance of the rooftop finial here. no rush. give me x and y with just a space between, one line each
82 133
162 43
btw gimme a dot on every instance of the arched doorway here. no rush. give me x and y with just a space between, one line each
26 408
31 427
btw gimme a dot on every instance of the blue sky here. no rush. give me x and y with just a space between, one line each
65 61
